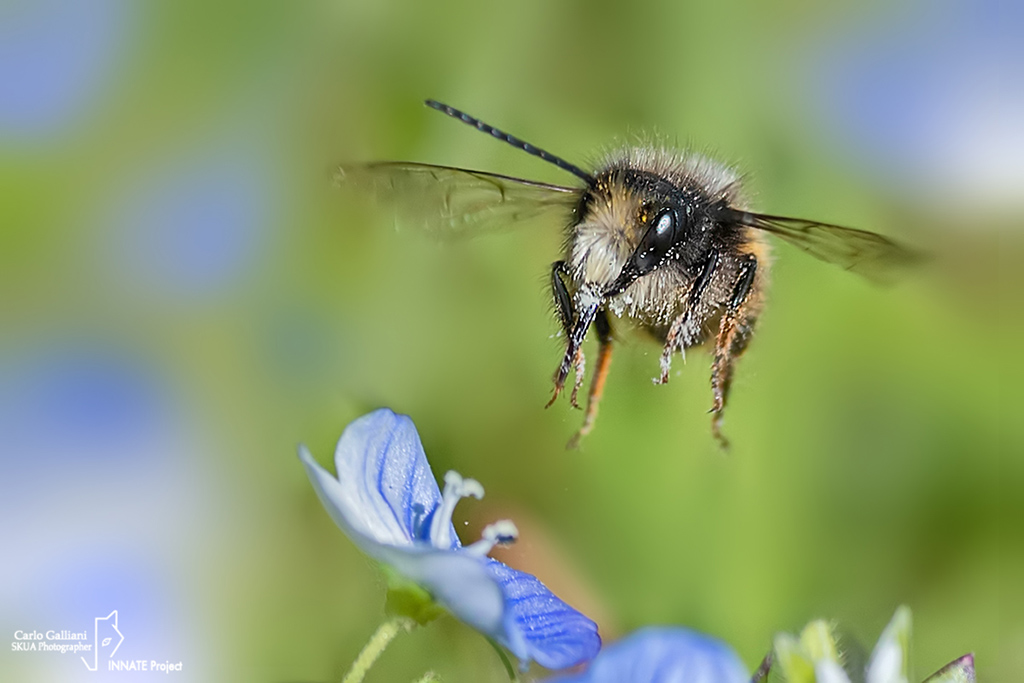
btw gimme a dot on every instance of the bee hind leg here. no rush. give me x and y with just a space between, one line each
604 360
733 334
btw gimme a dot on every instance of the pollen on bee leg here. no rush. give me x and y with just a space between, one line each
502 532
579 369
455 489
665 363
675 339
604 360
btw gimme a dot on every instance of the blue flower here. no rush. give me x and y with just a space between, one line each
386 500
664 654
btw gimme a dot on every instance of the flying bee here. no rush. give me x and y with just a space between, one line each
660 237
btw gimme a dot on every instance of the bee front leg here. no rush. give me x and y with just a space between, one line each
574 361
673 342
566 315
604 361
560 293
732 331
678 334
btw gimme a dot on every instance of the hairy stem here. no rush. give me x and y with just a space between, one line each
380 639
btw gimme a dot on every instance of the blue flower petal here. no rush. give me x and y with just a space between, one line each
664 655
381 455
539 626
384 487
364 528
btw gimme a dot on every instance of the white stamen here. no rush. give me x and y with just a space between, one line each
455 489
502 532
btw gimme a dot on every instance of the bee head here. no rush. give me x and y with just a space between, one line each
650 220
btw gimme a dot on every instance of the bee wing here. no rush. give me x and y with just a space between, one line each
452 202
870 255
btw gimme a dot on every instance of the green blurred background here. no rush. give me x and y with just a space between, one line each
185 298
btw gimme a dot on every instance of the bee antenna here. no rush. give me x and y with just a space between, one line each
510 139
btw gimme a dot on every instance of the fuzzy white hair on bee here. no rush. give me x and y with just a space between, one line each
655 236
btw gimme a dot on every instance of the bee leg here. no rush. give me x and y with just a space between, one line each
732 332
564 308
576 364
673 342
560 293
678 334
579 371
604 361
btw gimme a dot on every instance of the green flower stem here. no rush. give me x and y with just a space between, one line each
381 638
513 677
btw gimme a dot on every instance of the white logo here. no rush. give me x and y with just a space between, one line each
102 639
104 643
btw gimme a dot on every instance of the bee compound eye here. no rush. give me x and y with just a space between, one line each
657 241
664 230
664 222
